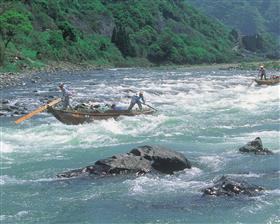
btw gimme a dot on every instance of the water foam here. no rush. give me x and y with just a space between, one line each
183 181
213 162
203 109
19 215
6 148
8 180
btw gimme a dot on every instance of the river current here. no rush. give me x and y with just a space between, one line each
206 114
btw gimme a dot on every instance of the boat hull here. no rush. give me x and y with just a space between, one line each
267 81
76 117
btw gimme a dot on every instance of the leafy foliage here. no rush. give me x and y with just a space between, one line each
2 53
256 20
248 16
110 32
168 31
12 24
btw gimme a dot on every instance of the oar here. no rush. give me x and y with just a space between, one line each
38 110
151 107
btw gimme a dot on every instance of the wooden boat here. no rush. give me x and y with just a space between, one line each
267 81
78 117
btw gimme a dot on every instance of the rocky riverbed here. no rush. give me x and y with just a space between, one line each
11 79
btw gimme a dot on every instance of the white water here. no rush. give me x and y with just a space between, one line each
207 115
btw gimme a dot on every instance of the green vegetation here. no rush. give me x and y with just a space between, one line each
13 24
256 20
168 31
275 65
248 16
109 33
34 33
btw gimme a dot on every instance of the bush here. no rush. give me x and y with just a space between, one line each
55 39
13 24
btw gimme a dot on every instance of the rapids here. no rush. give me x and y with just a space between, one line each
206 114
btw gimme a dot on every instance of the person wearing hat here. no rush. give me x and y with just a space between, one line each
66 96
137 99
262 72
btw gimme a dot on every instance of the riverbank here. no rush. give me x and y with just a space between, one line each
10 79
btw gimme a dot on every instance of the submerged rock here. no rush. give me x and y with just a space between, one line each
4 101
230 187
256 147
9 109
138 161
5 107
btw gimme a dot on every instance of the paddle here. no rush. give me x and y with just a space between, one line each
151 107
38 110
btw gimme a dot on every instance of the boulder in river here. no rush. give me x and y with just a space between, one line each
230 187
4 101
256 147
9 109
138 161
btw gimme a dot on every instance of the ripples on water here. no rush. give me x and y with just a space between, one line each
204 114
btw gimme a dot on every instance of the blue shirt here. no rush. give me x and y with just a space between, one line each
66 92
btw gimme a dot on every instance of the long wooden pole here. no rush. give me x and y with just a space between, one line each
38 110
151 107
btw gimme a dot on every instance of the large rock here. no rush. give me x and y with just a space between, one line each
230 187
256 147
138 161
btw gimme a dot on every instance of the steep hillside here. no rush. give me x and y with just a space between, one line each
248 16
256 20
168 31
109 32
36 32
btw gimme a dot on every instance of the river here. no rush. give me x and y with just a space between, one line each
206 114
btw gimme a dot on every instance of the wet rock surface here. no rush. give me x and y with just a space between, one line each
10 79
140 160
255 147
8 108
226 186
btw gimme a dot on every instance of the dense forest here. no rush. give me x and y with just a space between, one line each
257 21
110 32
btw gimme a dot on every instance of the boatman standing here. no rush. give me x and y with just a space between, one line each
262 72
65 96
137 99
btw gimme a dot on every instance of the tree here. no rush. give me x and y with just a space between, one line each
13 24
2 51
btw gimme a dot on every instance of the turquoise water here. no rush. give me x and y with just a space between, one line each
204 114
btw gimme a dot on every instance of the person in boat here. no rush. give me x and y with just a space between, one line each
65 96
137 99
262 72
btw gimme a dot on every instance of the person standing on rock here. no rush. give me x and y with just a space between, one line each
137 99
66 96
262 72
